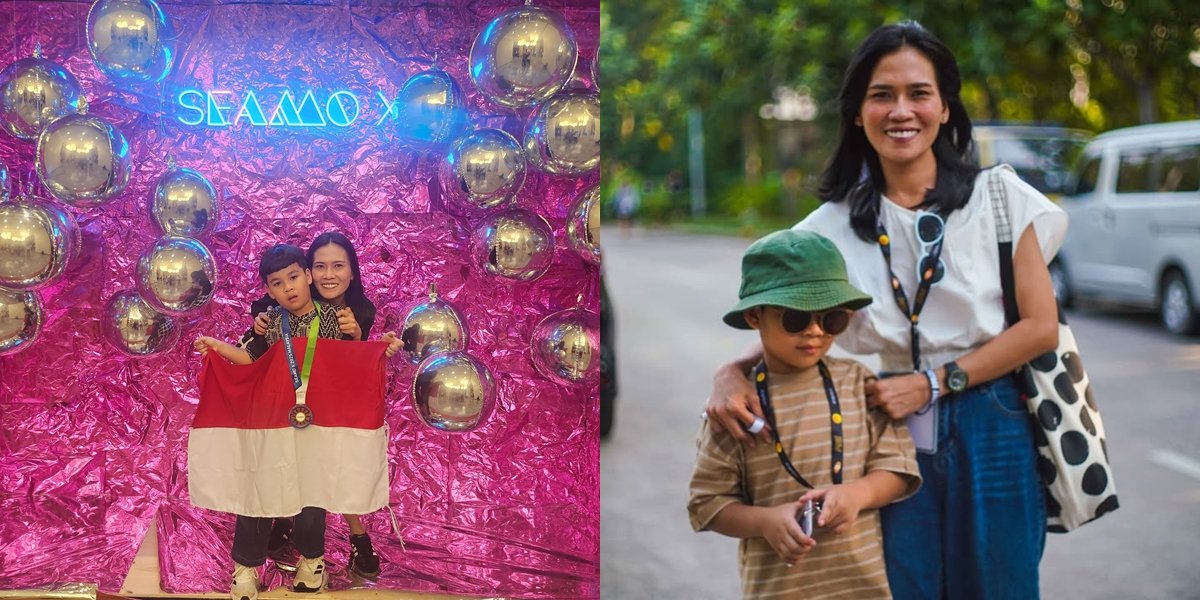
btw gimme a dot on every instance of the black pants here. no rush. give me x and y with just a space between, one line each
252 534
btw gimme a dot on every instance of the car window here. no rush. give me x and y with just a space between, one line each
1138 171
1180 169
1088 173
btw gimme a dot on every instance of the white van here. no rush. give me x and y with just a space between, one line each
1134 237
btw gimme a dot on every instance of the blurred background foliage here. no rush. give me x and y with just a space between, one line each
762 77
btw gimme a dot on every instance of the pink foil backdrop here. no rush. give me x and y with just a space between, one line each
93 443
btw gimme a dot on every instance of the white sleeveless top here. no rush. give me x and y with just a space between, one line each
965 309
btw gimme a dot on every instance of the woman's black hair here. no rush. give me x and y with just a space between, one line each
843 178
356 298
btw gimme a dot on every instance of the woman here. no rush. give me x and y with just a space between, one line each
976 529
337 280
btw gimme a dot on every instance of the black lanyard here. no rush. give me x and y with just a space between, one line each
914 316
835 424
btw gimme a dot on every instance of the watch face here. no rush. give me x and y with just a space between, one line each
957 380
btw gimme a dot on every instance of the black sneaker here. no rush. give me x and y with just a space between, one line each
363 560
280 547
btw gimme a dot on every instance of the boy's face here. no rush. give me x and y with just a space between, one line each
289 287
786 352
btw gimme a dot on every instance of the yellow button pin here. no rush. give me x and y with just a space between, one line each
762 377
837 417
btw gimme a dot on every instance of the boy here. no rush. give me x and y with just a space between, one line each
839 455
282 270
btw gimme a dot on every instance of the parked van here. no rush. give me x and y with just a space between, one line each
1041 154
1134 237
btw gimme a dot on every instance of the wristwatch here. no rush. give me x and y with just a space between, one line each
956 378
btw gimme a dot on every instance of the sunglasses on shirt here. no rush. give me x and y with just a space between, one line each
930 230
832 321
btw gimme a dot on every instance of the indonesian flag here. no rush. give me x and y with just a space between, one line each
244 457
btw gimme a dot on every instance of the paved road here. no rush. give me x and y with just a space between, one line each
669 291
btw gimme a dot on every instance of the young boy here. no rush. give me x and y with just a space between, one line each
796 294
287 280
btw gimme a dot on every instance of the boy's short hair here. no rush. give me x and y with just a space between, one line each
795 269
278 258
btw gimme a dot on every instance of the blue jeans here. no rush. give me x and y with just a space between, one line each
977 527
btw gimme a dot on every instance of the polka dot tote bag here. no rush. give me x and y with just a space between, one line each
1072 453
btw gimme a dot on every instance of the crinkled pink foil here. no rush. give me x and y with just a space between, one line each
93 443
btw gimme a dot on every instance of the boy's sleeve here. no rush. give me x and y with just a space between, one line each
716 479
891 447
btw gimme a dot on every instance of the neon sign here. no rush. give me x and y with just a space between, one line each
222 108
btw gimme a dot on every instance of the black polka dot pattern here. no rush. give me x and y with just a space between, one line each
1085 419
1046 362
1066 388
1074 366
1074 447
1049 415
1095 479
1069 436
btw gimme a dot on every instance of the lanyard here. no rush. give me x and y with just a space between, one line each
914 316
300 378
835 424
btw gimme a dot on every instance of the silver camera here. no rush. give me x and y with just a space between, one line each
807 517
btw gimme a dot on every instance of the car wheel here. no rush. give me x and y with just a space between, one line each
1058 279
1175 304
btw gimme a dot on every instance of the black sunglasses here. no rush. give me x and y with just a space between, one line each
930 229
832 321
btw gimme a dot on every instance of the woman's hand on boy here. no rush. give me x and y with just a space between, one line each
733 406
394 343
348 325
260 323
783 533
898 396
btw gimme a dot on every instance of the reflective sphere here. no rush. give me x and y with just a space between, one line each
566 346
136 329
563 138
20 320
37 242
34 92
82 160
452 391
130 40
514 244
176 275
185 203
523 56
596 70
583 225
430 109
484 169
431 327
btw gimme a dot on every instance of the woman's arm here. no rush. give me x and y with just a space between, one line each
734 402
1033 335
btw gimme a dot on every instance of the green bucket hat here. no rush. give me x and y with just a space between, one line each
800 270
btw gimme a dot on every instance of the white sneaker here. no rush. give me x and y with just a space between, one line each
310 575
245 583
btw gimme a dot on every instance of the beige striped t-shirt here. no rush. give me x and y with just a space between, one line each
846 565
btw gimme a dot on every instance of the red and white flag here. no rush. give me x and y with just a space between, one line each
245 458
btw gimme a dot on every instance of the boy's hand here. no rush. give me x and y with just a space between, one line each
840 505
394 343
782 532
205 343
348 325
260 323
